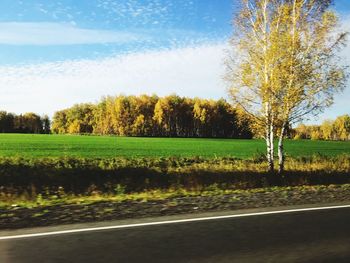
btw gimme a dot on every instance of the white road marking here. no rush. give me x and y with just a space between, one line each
53 233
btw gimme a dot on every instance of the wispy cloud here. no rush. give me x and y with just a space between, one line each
189 71
26 33
45 88
57 34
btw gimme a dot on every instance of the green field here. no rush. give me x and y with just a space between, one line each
23 145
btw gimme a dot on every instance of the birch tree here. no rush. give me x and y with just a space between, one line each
285 65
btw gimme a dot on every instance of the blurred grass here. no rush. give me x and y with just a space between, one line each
15 202
33 177
35 166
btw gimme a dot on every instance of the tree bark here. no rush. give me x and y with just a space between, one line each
270 148
272 165
281 156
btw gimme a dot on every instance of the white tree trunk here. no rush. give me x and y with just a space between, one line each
270 147
281 157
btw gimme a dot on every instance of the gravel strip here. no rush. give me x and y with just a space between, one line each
17 217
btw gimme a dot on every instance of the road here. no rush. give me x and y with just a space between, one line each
244 236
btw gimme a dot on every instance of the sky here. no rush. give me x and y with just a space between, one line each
54 54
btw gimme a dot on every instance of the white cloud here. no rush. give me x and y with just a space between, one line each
45 88
191 71
15 33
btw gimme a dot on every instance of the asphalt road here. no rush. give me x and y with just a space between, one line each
303 236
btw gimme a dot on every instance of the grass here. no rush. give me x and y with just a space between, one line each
53 176
37 146
35 166
156 195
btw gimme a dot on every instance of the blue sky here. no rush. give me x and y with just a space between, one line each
57 53
143 24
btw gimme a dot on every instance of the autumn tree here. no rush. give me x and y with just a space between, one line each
338 129
170 116
75 120
28 123
285 64
24 123
6 122
202 113
167 114
315 133
46 124
326 130
300 132
59 122
143 123
103 116
341 127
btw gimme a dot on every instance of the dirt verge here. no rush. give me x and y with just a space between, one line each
20 217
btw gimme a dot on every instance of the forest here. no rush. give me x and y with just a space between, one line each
336 130
24 123
153 116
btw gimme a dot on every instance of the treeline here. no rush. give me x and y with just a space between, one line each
170 116
24 123
337 130
153 116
